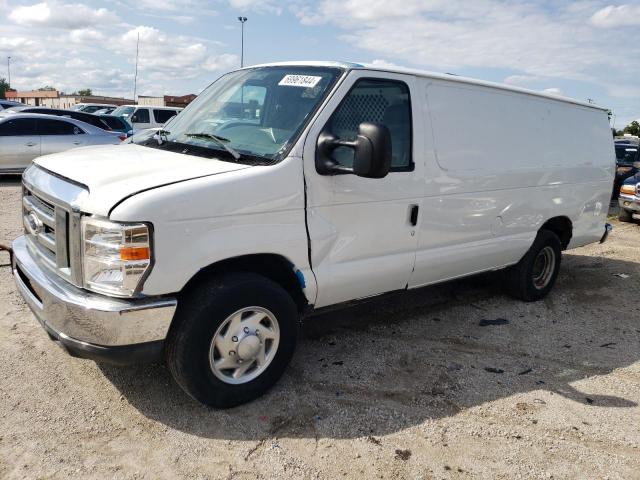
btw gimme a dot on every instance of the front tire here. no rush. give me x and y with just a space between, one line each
232 339
625 215
533 277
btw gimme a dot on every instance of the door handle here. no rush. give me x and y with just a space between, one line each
31 144
77 143
413 215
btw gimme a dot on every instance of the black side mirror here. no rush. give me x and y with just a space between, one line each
134 118
372 152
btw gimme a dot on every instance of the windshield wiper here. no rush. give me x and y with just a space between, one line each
217 139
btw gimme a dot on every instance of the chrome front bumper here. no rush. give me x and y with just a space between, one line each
89 324
629 202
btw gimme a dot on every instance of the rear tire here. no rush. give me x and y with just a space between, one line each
238 323
625 215
533 277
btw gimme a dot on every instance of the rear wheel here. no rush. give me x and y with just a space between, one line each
625 215
533 277
232 339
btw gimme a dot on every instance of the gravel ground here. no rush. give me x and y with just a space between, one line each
410 387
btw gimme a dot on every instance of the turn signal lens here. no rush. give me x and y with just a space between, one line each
628 189
135 253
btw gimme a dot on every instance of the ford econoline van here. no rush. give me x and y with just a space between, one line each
289 188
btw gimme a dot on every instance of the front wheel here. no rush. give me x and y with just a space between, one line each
232 339
625 215
533 277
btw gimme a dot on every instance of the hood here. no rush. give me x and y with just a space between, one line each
114 172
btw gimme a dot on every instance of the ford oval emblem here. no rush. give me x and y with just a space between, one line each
34 223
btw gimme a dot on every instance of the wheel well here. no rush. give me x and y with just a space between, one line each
562 227
274 267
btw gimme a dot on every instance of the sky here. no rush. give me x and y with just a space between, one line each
581 49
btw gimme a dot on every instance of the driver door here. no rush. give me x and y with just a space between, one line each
363 232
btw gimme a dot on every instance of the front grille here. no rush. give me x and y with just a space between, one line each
46 225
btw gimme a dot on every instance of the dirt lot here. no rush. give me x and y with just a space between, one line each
409 387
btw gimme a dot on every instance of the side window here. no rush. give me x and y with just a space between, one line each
163 116
18 127
142 115
57 127
385 102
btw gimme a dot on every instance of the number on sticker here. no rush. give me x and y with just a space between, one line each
305 81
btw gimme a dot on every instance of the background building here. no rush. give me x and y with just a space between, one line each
166 100
54 99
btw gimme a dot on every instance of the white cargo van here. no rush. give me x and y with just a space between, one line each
288 188
142 117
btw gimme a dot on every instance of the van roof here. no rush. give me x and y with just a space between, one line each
428 74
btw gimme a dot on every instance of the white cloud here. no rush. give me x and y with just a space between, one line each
617 16
11 43
61 15
86 35
553 91
261 6
382 63
175 56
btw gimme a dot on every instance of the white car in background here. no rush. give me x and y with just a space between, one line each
141 117
4 104
91 107
25 136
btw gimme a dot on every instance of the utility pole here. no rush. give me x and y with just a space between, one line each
9 69
242 20
135 78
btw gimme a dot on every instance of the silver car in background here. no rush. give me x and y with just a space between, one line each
25 136
4 104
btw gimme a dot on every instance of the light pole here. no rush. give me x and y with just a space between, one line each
9 70
135 77
242 20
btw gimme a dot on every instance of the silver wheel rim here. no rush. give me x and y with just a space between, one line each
244 345
543 267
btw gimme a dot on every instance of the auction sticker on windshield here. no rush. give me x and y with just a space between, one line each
305 81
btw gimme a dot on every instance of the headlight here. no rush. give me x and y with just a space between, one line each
116 257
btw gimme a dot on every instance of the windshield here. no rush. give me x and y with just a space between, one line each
254 113
626 154
123 111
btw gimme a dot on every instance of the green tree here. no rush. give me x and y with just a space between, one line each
85 92
46 88
4 86
633 128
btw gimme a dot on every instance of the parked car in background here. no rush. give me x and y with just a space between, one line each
25 136
4 104
629 199
205 244
104 111
117 124
91 107
90 118
627 161
141 118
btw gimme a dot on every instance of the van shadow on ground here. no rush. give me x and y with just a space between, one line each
391 364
